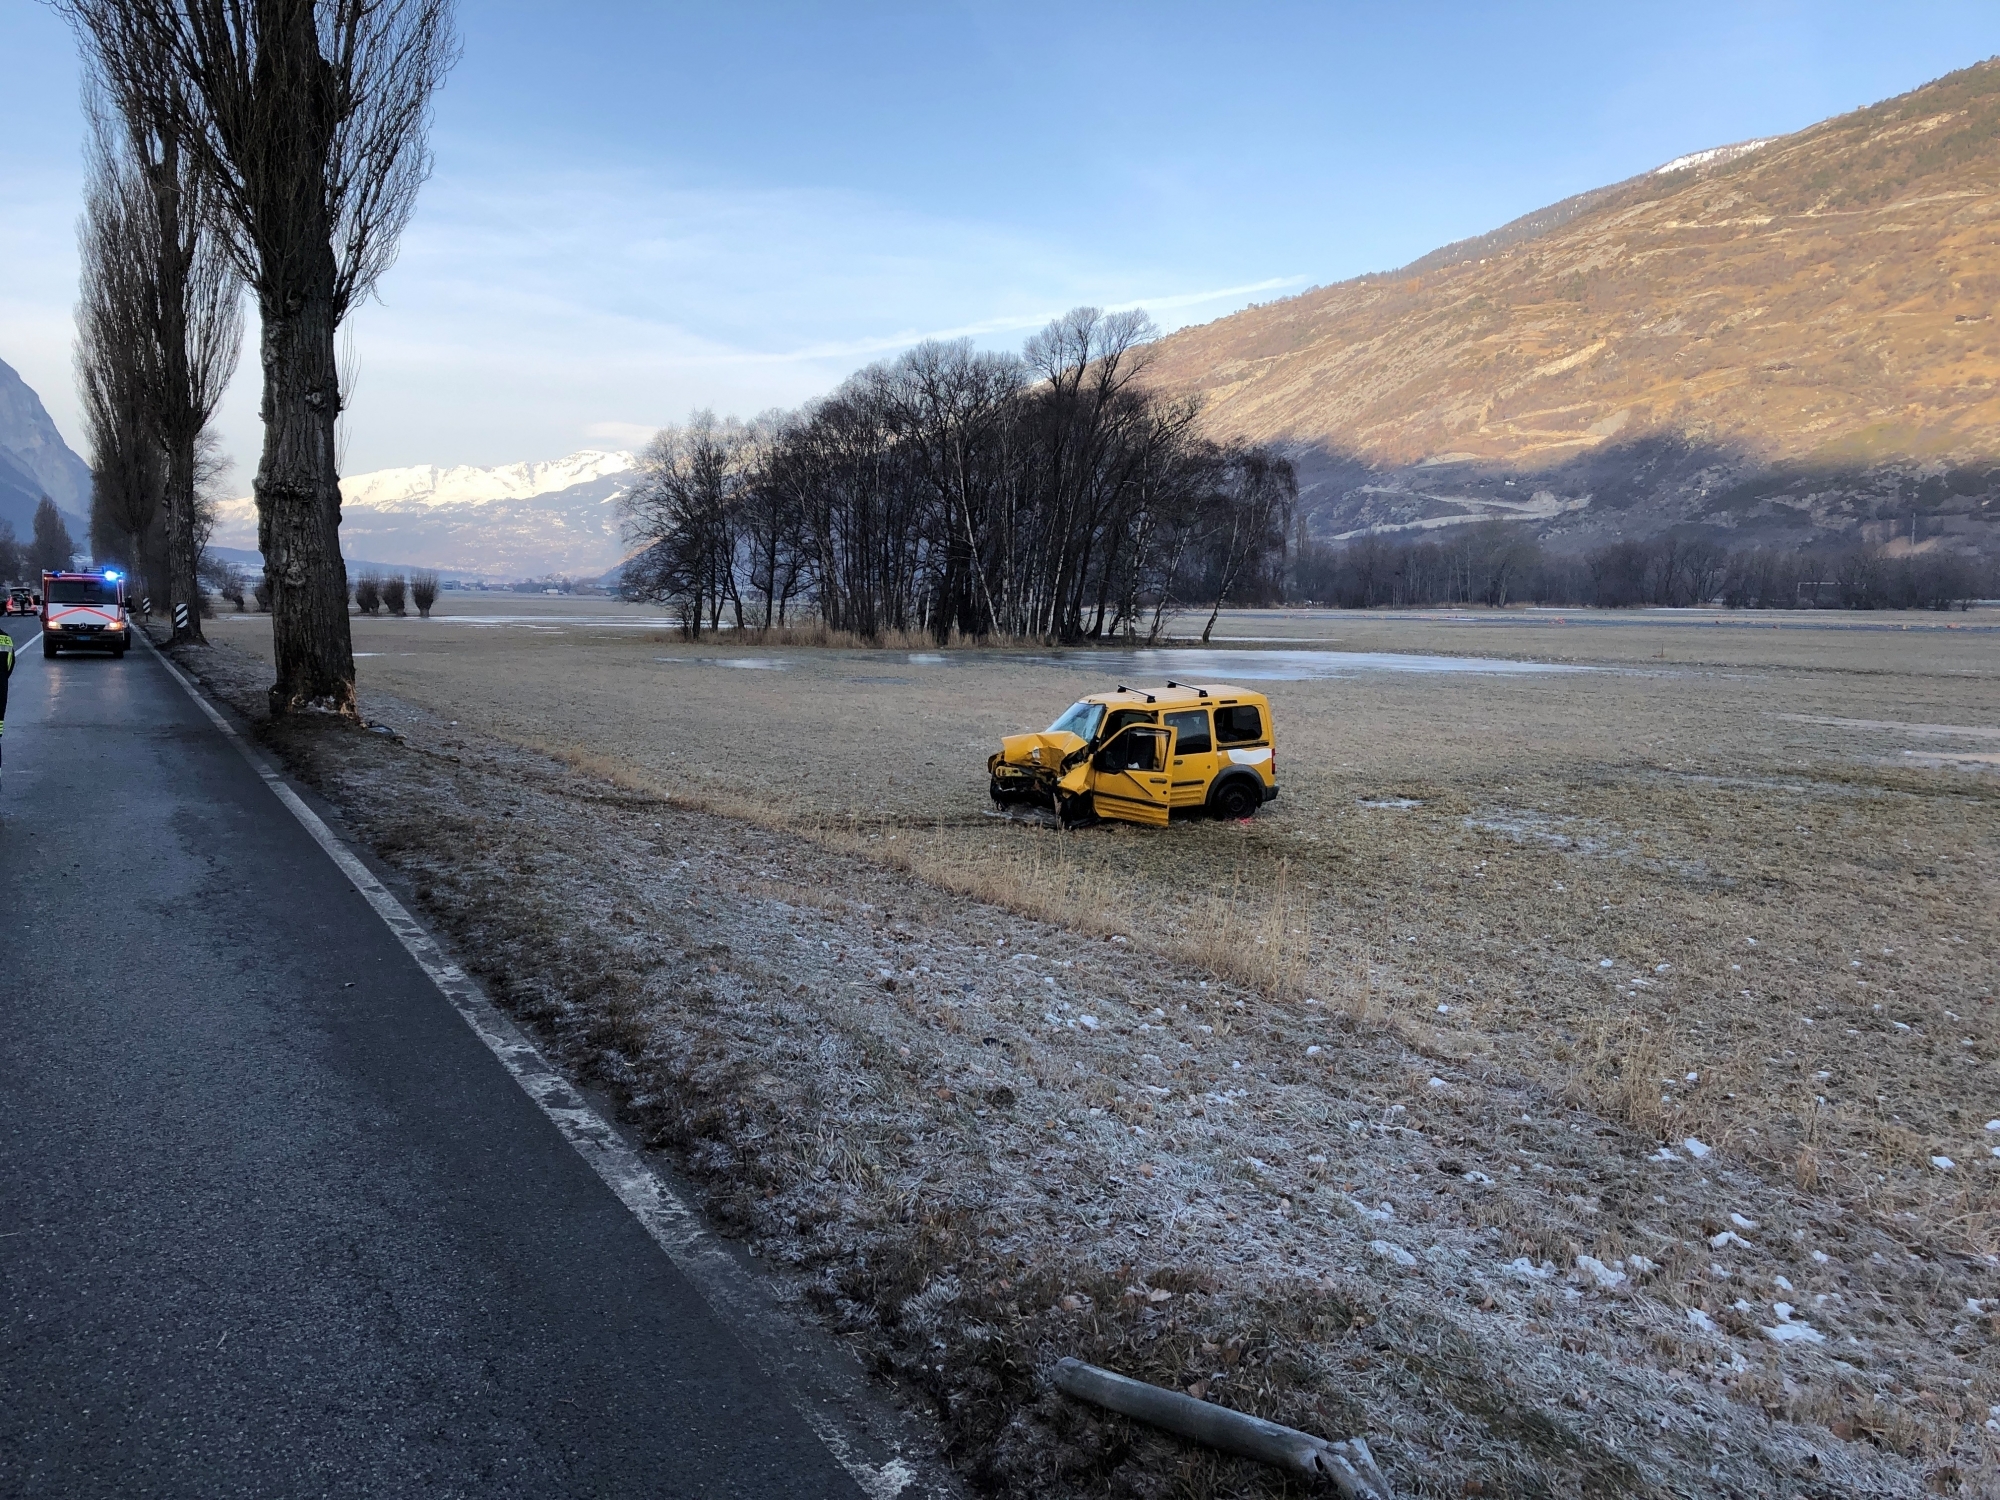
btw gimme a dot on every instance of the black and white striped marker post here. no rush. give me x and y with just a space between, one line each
180 618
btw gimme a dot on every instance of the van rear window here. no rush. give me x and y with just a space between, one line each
82 591
1238 725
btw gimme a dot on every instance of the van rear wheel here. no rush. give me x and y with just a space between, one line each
1236 799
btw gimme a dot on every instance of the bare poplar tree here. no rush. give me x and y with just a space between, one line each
13 557
161 325
52 550
307 119
113 359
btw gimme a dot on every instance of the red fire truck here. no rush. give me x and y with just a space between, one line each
84 611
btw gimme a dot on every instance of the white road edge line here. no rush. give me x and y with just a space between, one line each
673 1224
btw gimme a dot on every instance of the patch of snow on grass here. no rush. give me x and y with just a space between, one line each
1605 1276
1788 1332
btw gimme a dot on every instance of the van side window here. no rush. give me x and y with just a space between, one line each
1138 751
1193 727
1238 725
1124 716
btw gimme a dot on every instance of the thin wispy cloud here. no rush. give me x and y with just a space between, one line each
565 305
863 348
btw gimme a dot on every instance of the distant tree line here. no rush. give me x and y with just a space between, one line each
962 494
1498 564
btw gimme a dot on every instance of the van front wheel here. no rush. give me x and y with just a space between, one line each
1236 799
1075 811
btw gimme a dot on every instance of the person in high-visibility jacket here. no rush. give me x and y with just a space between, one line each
6 671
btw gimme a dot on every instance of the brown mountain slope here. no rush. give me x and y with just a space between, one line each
1822 305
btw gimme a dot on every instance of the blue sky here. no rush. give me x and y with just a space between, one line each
641 209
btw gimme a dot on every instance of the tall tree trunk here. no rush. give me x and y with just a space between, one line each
180 426
183 587
298 503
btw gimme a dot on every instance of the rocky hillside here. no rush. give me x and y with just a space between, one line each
1790 338
35 461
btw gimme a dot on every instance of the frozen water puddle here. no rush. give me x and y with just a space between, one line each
1525 824
1287 666
742 663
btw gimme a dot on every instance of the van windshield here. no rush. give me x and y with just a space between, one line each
1081 720
82 591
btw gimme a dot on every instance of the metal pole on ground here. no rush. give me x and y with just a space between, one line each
1348 1464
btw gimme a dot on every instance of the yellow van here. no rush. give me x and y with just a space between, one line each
1142 755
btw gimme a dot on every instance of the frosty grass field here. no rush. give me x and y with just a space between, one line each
1580 1078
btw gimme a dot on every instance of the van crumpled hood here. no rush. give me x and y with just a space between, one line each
1019 749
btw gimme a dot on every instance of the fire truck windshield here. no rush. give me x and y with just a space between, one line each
82 591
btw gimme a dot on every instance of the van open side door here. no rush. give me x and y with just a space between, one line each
1129 777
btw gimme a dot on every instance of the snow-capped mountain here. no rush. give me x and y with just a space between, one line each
1713 156
522 520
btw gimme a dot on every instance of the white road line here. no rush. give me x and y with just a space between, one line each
21 650
673 1224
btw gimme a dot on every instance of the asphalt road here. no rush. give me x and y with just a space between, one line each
272 1220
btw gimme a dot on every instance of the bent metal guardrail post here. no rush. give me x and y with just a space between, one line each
1348 1464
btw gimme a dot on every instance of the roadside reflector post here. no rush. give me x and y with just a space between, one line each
180 618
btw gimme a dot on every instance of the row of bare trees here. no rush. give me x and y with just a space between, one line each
1052 495
394 592
1498 564
273 144
159 330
